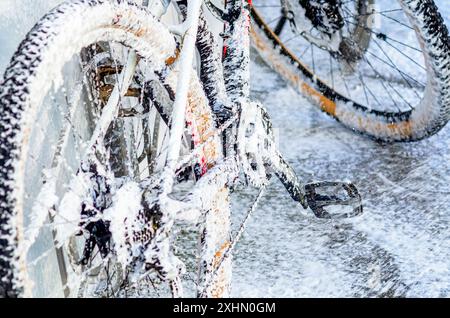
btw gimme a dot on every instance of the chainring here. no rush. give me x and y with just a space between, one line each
256 143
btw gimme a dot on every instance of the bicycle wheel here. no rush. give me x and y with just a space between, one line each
379 67
61 186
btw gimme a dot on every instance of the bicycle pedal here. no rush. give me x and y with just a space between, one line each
328 199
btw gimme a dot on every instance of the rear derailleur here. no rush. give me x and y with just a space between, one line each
92 222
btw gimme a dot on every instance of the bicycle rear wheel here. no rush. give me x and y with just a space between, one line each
381 69
57 182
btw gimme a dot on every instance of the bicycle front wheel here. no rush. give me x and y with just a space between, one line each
379 67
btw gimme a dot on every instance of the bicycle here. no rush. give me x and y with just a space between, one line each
362 62
137 145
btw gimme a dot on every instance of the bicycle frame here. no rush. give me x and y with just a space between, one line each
235 70
227 101
233 95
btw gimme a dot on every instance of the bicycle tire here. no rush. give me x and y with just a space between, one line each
426 119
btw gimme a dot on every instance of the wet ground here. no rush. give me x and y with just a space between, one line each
398 247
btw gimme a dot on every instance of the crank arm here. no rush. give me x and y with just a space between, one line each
260 157
320 197
289 179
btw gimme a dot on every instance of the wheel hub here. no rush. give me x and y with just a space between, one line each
323 23
324 15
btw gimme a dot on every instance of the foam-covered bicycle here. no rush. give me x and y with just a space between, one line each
124 126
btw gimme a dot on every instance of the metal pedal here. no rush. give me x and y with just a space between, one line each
321 196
